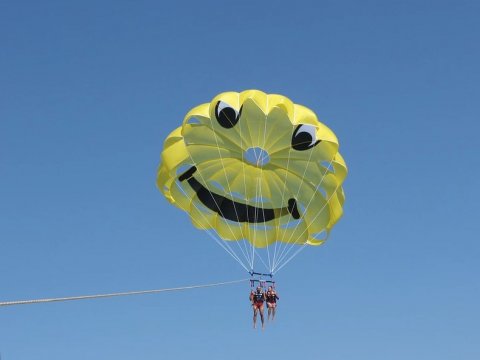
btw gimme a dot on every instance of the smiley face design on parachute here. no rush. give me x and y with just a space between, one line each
255 165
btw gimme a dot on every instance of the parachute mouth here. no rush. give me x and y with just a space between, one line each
233 210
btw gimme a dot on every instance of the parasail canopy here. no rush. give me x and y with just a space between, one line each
262 175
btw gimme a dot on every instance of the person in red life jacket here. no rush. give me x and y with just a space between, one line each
257 298
271 297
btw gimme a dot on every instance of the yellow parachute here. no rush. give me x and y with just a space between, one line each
258 169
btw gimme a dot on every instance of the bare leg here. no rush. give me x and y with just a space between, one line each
261 317
269 311
274 308
255 310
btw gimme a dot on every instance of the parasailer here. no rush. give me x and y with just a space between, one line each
258 298
271 298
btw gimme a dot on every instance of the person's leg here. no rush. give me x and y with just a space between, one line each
261 309
255 310
269 307
274 308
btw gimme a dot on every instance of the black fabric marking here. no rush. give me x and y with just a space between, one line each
232 210
302 140
293 209
229 209
227 117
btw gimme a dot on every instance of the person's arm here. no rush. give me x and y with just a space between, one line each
251 297
276 296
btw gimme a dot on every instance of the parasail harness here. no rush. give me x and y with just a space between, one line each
257 278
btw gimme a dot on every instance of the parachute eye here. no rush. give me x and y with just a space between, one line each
226 116
304 137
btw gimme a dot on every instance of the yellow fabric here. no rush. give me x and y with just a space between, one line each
313 177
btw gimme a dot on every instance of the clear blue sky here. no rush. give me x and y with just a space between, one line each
88 92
